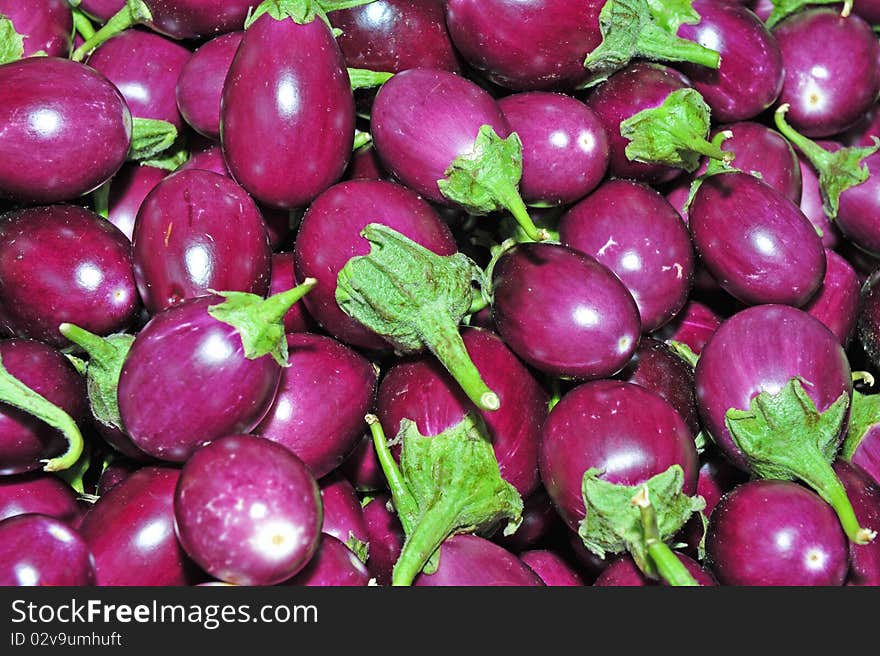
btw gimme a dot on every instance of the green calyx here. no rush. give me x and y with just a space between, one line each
135 12
683 351
838 170
301 11
639 520
11 42
150 137
171 158
673 134
664 561
784 8
784 437
863 416
415 299
15 393
713 167
642 29
106 357
260 321
362 78
446 484
486 179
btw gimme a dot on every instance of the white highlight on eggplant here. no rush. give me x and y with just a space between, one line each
152 534
88 276
45 122
586 316
277 539
287 98
559 139
198 263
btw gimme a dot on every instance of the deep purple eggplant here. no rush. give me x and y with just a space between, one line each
102 9
539 519
864 559
37 550
623 572
40 493
198 231
632 230
565 148
209 159
343 515
830 87
66 130
862 444
318 411
330 235
812 206
365 165
287 100
395 35
386 538
750 76
756 243
128 189
45 26
247 511
869 318
563 312
297 319
144 67
204 369
362 467
45 282
773 533
552 569
130 532
422 391
200 84
468 560
717 477
333 565
836 304
116 472
693 326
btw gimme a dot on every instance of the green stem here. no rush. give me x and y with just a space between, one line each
275 307
555 393
361 139
508 196
19 395
657 44
668 566
362 78
83 25
101 199
134 12
433 527
818 156
404 502
96 346
478 303
698 144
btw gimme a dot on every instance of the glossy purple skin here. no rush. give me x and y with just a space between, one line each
471 561
552 569
565 148
830 87
836 304
636 88
333 565
539 518
186 381
869 10
46 25
210 159
362 467
386 538
37 550
869 319
116 472
859 210
287 100
770 345
330 235
127 192
655 367
756 243
198 231
248 511
632 230
811 205
365 165
395 35
864 494
66 130
563 312
423 119
283 277
343 516
627 431
750 76
623 572
776 533
526 45
144 67
130 532
102 9
24 439
694 325
40 493
318 411
45 282
183 19
717 477
421 390
200 84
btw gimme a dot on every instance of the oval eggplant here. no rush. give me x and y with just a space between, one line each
623 572
36 550
333 565
836 304
128 189
45 25
38 493
467 560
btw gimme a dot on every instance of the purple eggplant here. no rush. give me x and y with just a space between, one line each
37 550
200 84
539 519
333 565
198 231
362 467
283 277
343 515
386 537
470 561
772 533
144 67
116 472
204 369
552 569
750 76
623 572
830 87
44 282
209 159
128 189
563 312
318 411
102 9
39 493
632 230
287 100
130 532
423 392
66 130
365 165
330 235
565 148
756 243
44 26
812 206
717 477
864 559
836 304
247 511
693 326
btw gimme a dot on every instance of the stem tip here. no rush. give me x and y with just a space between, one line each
641 498
865 535
371 419
490 401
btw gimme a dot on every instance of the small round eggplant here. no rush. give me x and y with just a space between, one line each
386 538
343 515
836 304
623 572
468 560
333 565
693 326
39 493
864 559
811 204
363 468
128 189
297 319
37 550
539 519
552 569
45 25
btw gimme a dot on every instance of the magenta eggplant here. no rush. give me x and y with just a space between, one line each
469 561
128 189
200 83
836 304
693 326
539 520
37 550
283 277
37 493
333 565
623 572
864 559
386 538
362 467
343 515
45 25
552 569
183 19
209 159
811 204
